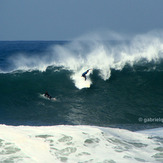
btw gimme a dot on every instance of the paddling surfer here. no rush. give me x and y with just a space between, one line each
47 95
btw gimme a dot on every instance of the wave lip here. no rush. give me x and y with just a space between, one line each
80 55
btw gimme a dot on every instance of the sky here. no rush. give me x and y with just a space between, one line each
68 19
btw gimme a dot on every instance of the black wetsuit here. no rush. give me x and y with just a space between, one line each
47 95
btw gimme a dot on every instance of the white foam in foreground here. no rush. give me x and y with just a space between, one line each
74 144
153 132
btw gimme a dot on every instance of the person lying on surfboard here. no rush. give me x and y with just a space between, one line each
84 74
47 95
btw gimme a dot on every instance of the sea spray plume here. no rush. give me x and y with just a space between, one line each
78 56
74 58
104 56
148 46
95 53
25 62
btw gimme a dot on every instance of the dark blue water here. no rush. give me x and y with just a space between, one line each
28 69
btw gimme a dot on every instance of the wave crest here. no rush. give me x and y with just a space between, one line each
80 55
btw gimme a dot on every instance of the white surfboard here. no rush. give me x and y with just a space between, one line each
85 83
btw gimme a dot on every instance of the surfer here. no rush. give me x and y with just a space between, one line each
47 95
84 74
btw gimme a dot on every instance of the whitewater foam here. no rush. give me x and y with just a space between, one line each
80 82
76 144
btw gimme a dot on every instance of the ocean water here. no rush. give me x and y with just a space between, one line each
97 120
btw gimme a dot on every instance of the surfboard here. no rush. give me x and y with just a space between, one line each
85 83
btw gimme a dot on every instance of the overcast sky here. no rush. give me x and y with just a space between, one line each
67 19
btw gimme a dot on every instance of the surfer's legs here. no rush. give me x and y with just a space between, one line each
84 76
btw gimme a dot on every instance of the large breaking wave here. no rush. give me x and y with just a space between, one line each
80 55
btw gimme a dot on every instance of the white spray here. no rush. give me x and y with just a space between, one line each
94 53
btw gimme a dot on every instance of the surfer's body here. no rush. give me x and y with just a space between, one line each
84 74
47 95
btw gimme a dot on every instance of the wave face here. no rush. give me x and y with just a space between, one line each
125 82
